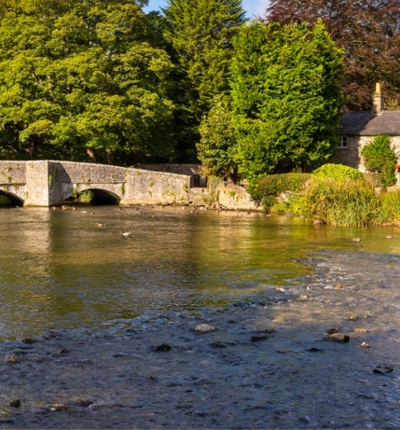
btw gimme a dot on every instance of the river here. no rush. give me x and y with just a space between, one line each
72 273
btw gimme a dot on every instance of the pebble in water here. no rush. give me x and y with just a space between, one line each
204 328
383 369
338 337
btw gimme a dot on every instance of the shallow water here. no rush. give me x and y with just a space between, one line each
241 272
58 270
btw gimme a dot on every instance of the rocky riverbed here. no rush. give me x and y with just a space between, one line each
268 364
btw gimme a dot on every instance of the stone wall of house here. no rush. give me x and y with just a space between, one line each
351 156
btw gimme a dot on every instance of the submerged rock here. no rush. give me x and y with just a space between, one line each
204 328
365 345
258 338
332 330
383 369
29 341
218 345
351 318
338 337
15 403
163 348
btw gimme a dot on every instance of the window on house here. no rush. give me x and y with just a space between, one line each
342 144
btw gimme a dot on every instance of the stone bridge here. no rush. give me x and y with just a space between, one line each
48 183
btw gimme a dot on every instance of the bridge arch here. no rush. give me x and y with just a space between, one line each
101 195
14 200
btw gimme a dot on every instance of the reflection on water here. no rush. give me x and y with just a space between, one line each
58 269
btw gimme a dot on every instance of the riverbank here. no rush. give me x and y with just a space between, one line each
266 364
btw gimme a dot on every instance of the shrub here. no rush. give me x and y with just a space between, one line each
338 172
378 156
342 203
280 208
85 196
267 189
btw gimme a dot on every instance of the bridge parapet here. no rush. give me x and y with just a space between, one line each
51 182
12 172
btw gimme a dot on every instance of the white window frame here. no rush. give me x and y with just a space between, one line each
343 142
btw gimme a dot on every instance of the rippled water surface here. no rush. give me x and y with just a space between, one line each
59 270
107 301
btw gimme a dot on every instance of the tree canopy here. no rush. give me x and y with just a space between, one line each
81 77
217 146
285 96
369 33
200 34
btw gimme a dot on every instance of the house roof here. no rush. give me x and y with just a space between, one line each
369 124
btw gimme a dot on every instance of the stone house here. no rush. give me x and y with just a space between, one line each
357 129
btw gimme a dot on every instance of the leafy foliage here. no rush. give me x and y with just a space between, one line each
285 96
82 77
338 172
369 33
218 140
379 156
268 188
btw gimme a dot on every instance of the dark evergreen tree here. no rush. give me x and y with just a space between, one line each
200 33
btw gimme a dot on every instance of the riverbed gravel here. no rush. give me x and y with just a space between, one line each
267 364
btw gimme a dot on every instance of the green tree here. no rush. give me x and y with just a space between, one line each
200 33
369 33
217 145
82 78
380 157
285 96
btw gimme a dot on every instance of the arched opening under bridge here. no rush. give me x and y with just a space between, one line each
8 199
94 196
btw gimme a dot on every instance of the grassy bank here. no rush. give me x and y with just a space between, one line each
335 195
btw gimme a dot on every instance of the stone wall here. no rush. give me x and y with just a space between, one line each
12 172
47 183
235 197
351 156
149 187
180 169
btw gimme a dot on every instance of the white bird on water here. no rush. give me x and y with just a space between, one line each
125 233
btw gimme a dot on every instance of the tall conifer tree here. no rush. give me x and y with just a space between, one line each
200 33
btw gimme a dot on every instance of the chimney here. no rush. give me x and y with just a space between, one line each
378 100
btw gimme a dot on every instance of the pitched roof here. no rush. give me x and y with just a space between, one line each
369 124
